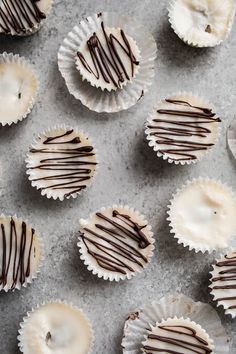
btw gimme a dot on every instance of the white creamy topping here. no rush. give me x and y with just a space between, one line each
202 22
115 246
181 129
22 15
18 87
223 283
203 215
61 163
56 328
20 253
192 338
89 70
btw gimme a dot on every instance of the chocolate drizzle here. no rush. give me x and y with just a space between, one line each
116 243
19 15
70 169
228 275
191 123
197 345
106 60
16 255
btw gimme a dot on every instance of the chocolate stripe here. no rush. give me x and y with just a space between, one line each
111 248
196 125
106 60
228 275
70 161
15 263
14 14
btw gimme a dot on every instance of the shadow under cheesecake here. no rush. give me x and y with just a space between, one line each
177 53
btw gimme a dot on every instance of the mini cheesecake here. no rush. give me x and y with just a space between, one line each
20 253
18 88
183 128
202 23
116 242
202 215
61 163
223 283
177 335
56 327
108 59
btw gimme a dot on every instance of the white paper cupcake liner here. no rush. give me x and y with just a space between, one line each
35 28
231 137
29 280
199 44
96 99
49 193
24 323
10 58
175 305
155 147
201 247
219 303
92 264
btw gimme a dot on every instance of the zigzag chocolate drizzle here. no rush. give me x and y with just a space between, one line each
228 275
111 248
15 254
190 123
198 346
107 61
74 169
19 15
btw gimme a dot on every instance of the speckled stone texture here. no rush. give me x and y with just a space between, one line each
129 173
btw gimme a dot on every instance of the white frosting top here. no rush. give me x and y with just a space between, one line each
202 215
22 17
115 242
92 67
56 328
178 335
20 253
61 163
182 128
202 22
223 283
18 86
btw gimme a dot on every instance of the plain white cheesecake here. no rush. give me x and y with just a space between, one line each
18 88
202 23
202 215
55 328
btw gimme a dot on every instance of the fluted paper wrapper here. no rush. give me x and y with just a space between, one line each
29 280
10 58
25 322
175 305
155 146
228 292
115 276
50 193
193 245
94 98
204 42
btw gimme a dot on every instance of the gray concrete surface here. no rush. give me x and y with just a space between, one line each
129 173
